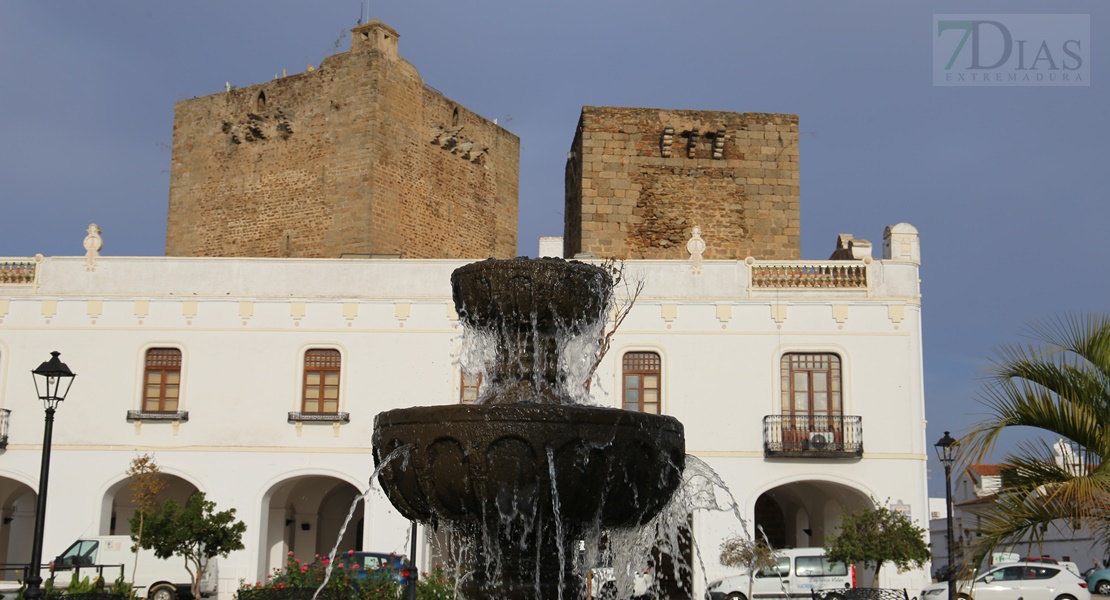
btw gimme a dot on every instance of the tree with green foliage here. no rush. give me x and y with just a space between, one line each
875 535
194 532
1058 384
748 554
146 488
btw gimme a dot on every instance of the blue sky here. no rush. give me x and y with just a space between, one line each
1007 185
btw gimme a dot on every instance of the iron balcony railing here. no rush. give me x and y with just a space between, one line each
5 418
813 436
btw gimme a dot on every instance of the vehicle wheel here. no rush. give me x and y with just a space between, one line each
735 596
834 597
162 592
1065 597
1103 587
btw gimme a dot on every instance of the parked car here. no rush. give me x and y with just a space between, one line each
1098 581
370 563
1015 581
603 584
798 573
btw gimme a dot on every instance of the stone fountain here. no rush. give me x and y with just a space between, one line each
527 472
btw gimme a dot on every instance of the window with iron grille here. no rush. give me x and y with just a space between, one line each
469 388
641 373
321 381
810 385
162 381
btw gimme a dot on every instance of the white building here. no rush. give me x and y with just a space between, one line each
799 382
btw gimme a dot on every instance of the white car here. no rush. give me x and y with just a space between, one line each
798 573
603 585
1015 581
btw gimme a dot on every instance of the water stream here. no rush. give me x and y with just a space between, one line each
401 452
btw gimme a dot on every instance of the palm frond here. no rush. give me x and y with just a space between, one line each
1059 385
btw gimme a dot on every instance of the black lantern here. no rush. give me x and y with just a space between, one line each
52 382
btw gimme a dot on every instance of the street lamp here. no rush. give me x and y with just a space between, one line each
52 381
946 452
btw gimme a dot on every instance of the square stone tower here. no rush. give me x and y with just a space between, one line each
638 180
357 157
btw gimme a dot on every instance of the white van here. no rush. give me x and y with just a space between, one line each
797 574
109 556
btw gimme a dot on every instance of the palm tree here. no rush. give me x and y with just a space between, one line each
1060 385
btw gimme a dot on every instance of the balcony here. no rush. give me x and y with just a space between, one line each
139 415
17 270
804 436
319 417
5 416
810 275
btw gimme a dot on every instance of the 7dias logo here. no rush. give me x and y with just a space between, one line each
1012 50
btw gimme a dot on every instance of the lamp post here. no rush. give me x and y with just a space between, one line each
52 381
946 452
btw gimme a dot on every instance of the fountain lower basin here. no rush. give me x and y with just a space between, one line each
524 481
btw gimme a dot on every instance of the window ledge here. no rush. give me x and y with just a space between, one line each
302 417
138 415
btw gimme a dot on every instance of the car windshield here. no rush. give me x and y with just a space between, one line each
81 553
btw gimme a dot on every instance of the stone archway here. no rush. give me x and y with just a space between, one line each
804 513
304 515
119 503
18 504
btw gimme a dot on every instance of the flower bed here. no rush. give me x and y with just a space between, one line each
348 581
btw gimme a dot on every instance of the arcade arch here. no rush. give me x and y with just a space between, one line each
805 513
18 503
303 515
119 502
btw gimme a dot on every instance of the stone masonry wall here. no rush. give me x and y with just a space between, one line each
639 180
356 157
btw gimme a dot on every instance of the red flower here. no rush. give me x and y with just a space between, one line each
350 553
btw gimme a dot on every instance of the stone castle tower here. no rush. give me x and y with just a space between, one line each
358 157
638 181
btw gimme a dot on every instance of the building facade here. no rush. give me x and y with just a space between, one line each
252 359
257 381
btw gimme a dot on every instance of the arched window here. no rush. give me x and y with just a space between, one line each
469 387
260 103
162 380
321 381
641 373
811 407
455 118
